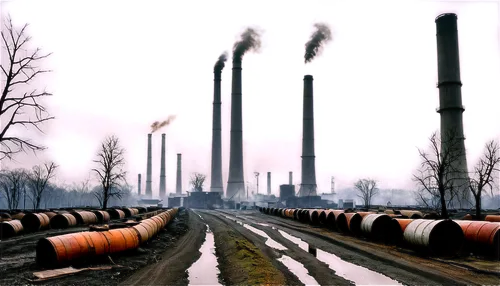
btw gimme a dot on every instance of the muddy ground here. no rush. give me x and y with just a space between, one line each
245 257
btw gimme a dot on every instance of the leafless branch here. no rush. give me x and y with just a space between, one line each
13 184
367 189
38 181
197 180
18 74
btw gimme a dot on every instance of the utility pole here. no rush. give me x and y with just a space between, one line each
257 177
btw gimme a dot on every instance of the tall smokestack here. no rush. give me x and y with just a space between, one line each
139 184
178 183
450 95
149 191
236 182
290 178
308 184
163 183
216 175
268 183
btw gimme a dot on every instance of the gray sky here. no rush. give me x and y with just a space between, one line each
120 65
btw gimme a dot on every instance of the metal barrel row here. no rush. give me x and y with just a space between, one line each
60 219
64 249
441 237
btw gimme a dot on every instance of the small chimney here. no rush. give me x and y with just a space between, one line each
268 183
178 184
290 178
163 183
139 184
216 174
149 191
236 182
308 180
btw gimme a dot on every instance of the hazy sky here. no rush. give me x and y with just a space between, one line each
120 65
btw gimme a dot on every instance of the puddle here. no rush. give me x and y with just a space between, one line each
298 269
352 272
205 270
263 224
269 242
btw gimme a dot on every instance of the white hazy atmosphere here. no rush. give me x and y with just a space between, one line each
118 66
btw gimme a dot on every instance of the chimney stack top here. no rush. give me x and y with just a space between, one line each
308 77
446 16
149 135
163 135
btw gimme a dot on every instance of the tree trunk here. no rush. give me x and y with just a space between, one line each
478 206
444 211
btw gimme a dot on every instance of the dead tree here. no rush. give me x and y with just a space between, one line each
367 189
20 103
38 180
13 184
437 176
483 175
111 160
197 180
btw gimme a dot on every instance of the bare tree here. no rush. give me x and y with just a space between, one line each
81 191
367 189
38 181
111 160
483 174
18 97
197 180
13 185
437 177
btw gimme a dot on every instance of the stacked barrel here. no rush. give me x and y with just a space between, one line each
63 249
407 228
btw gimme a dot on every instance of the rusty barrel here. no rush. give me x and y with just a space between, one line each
397 228
102 216
18 216
276 211
116 213
432 215
85 217
376 226
331 219
50 214
35 221
323 215
349 222
439 237
482 236
10 228
314 216
62 221
142 210
492 218
412 214
389 212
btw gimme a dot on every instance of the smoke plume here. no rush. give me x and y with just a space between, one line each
219 65
157 125
250 40
321 36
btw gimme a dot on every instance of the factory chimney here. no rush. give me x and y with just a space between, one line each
163 183
149 191
236 183
139 184
450 99
216 176
290 178
268 183
308 180
178 183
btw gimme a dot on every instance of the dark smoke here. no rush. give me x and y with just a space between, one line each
157 124
219 65
250 40
321 36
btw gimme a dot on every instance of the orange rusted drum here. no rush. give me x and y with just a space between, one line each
323 215
492 218
128 212
142 232
116 213
467 217
389 212
482 236
85 217
62 221
331 219
10 228
314 216
349 222
35 221
18 216
396 229
50 214
412 214
102 216
134 211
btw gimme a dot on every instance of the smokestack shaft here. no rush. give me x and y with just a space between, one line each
290 178
268 183
178 183
149 191
236 183
163 182
216 175
139 184
450 94
308 174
